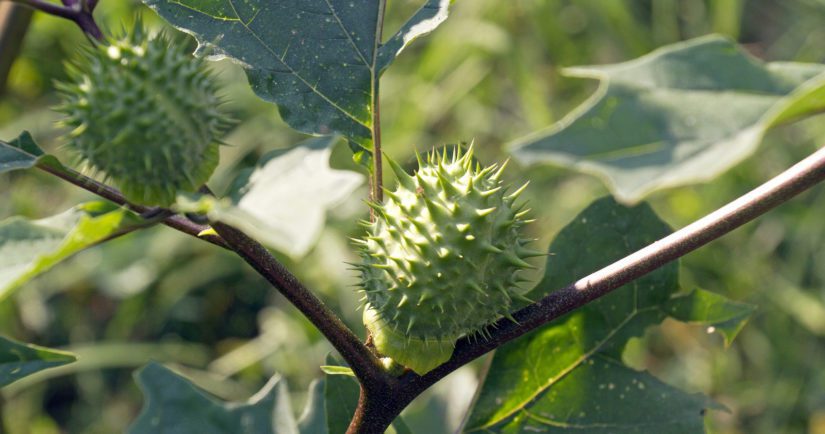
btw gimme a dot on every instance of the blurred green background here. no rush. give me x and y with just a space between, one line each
489 74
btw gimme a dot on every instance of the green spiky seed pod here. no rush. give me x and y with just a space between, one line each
145 113
442 258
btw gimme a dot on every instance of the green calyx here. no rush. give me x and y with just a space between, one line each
145 113
442 259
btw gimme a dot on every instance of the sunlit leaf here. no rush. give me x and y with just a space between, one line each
530 366
430 16
173 405
542 379
605 397
682 114
283 202
31 247
319 60
19 360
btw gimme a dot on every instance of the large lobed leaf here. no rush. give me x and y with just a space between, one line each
319 60
31 247
682 114
20 360
173 405
605 397
566 377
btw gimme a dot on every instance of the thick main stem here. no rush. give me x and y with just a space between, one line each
376 411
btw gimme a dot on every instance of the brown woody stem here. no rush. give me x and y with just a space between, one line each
364 364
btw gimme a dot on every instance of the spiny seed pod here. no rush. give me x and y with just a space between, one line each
442 258
145 113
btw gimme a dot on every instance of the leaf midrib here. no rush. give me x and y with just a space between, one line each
563 373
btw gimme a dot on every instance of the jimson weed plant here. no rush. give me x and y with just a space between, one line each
446 260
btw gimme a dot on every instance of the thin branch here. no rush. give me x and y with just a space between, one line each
81 14
769 195
177 222
363 363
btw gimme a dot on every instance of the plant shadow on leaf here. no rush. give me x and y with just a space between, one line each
549 378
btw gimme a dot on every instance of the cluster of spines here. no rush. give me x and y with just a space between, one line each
145 113
443 257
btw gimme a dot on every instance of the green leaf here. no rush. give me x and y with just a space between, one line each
566 376
29 248
682 114
20 153
337 370
283 202
313 420
601 234
24 153
430 16
528 368
18 360
557 376
712 310
319 60
605 397
341 398
175 406
360 155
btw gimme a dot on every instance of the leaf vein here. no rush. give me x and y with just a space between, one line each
575 364
292 70
349 37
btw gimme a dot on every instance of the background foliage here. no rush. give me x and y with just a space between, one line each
489 73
